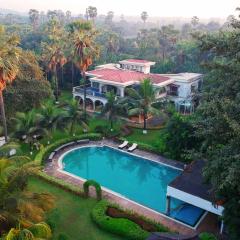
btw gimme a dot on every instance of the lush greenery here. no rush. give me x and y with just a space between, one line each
96 185
44 152
207 236
23 95
52 52
70 208
18 206
121 226
217 123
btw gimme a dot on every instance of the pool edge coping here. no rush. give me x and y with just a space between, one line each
60 167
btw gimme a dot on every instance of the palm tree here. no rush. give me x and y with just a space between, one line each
17 204
140 102
35 232
72 117
9 67
85 49
52 53
49 117
144 16
113 108
34 18
91 12
27 126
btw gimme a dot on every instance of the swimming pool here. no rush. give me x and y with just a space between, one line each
130 176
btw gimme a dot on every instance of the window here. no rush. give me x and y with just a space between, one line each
173 90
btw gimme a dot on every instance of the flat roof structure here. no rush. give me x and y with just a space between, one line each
191 188
137 61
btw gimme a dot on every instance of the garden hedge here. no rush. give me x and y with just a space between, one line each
60 183
95 184
42 155
121 226
207 236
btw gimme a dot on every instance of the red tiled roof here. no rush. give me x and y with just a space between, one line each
137 61
124 76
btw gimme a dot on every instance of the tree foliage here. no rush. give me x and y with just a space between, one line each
217 121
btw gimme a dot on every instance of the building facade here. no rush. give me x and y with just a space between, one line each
179 88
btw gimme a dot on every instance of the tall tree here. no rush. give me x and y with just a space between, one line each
34 18
72 117
109 18
217 121
92 12
52 52
144 16
113 108
68 16
9 67
195 21
140 101
167 38
85 48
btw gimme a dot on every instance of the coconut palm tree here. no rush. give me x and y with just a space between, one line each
113 108
144 16
52 52
85 48
27 126
35 232
73 116
17 204
9 67
49 117
92 12
140 101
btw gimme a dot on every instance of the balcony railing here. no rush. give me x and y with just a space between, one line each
89 92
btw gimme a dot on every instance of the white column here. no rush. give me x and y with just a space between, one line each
168 208
100 87
121 91
222 226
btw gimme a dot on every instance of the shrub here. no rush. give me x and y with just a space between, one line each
121 226
46 151
60 183
207 236
97 186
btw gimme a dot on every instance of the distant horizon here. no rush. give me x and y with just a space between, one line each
170 9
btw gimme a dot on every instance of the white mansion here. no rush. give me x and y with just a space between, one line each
179 88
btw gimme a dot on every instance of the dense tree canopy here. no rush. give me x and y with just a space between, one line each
217 121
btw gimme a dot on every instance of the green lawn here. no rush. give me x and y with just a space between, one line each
71 215
151 138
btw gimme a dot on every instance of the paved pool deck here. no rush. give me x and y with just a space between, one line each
209 223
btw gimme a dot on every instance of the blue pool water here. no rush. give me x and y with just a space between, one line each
135 178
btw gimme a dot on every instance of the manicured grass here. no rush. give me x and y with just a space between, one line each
151 138
71 215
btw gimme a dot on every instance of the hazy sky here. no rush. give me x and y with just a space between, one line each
185 8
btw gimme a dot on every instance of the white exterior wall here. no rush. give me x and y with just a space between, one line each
184 89
194 200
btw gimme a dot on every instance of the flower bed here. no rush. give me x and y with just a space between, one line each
112 218
118 213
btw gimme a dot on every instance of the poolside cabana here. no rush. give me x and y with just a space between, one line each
190 188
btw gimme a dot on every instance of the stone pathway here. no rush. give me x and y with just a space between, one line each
209 223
